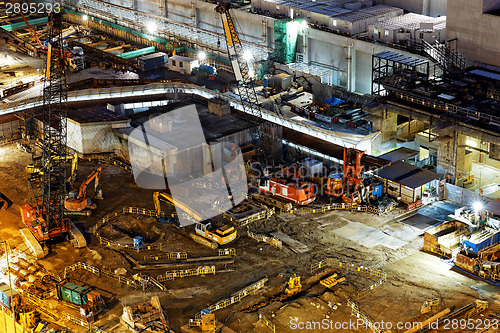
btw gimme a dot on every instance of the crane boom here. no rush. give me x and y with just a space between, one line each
246 86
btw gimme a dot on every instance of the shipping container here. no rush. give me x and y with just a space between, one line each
466 262
152 61
72 293
481 240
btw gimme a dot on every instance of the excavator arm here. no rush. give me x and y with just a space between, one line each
94 175
157 196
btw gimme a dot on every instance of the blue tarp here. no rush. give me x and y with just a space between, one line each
333 101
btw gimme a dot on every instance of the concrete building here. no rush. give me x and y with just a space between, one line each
409 26
182 65
475 24
424 7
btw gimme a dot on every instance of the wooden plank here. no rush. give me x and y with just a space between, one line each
294 245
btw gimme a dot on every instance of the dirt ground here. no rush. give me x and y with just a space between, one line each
412 276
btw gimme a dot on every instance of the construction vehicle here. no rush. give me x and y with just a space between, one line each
88 300
4 202
293 286
222 235
44 218
296 191
32 169
77 200
349 184
162 217
429 305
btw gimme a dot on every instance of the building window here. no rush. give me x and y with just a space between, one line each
308 15
277 7
298 12
387 32
375 31
173 63
181 64
334 23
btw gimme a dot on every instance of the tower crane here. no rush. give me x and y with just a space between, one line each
44 218
239 61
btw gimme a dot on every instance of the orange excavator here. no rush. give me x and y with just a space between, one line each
349 183
77 203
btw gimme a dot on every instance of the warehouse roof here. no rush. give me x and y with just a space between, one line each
399 154
407 174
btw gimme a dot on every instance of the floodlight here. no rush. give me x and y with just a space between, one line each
151 27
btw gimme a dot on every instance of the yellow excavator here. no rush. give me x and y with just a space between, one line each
77 203
222 235
32 169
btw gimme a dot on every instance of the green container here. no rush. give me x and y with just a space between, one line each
74 293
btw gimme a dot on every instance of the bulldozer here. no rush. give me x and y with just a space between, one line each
293 286
77 203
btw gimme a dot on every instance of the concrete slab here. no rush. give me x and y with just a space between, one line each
294 245
368 236
419 221
439 210
403 232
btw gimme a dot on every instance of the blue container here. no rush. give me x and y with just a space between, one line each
265 82
138 242
378 190
476 246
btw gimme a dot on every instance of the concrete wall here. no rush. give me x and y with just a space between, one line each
93 138
425 7
477 33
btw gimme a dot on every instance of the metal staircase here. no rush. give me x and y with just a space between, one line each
448 60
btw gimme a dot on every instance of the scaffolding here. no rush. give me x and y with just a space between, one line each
392 69
285 40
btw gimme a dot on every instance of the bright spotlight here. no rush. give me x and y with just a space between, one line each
477 206
247 56
85 17
151 27
304 24
251 73
202 55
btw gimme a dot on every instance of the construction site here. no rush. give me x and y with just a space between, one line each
249 166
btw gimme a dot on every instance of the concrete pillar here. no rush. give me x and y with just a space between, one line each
451 155
135 4
351 68
194 15
305 46
388 125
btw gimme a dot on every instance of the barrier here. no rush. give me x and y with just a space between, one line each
202 270
227 252
276 242
267 322
235 298
351 267
100 272
358 313
171 255
335 206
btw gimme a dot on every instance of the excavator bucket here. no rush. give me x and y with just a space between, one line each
4 202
